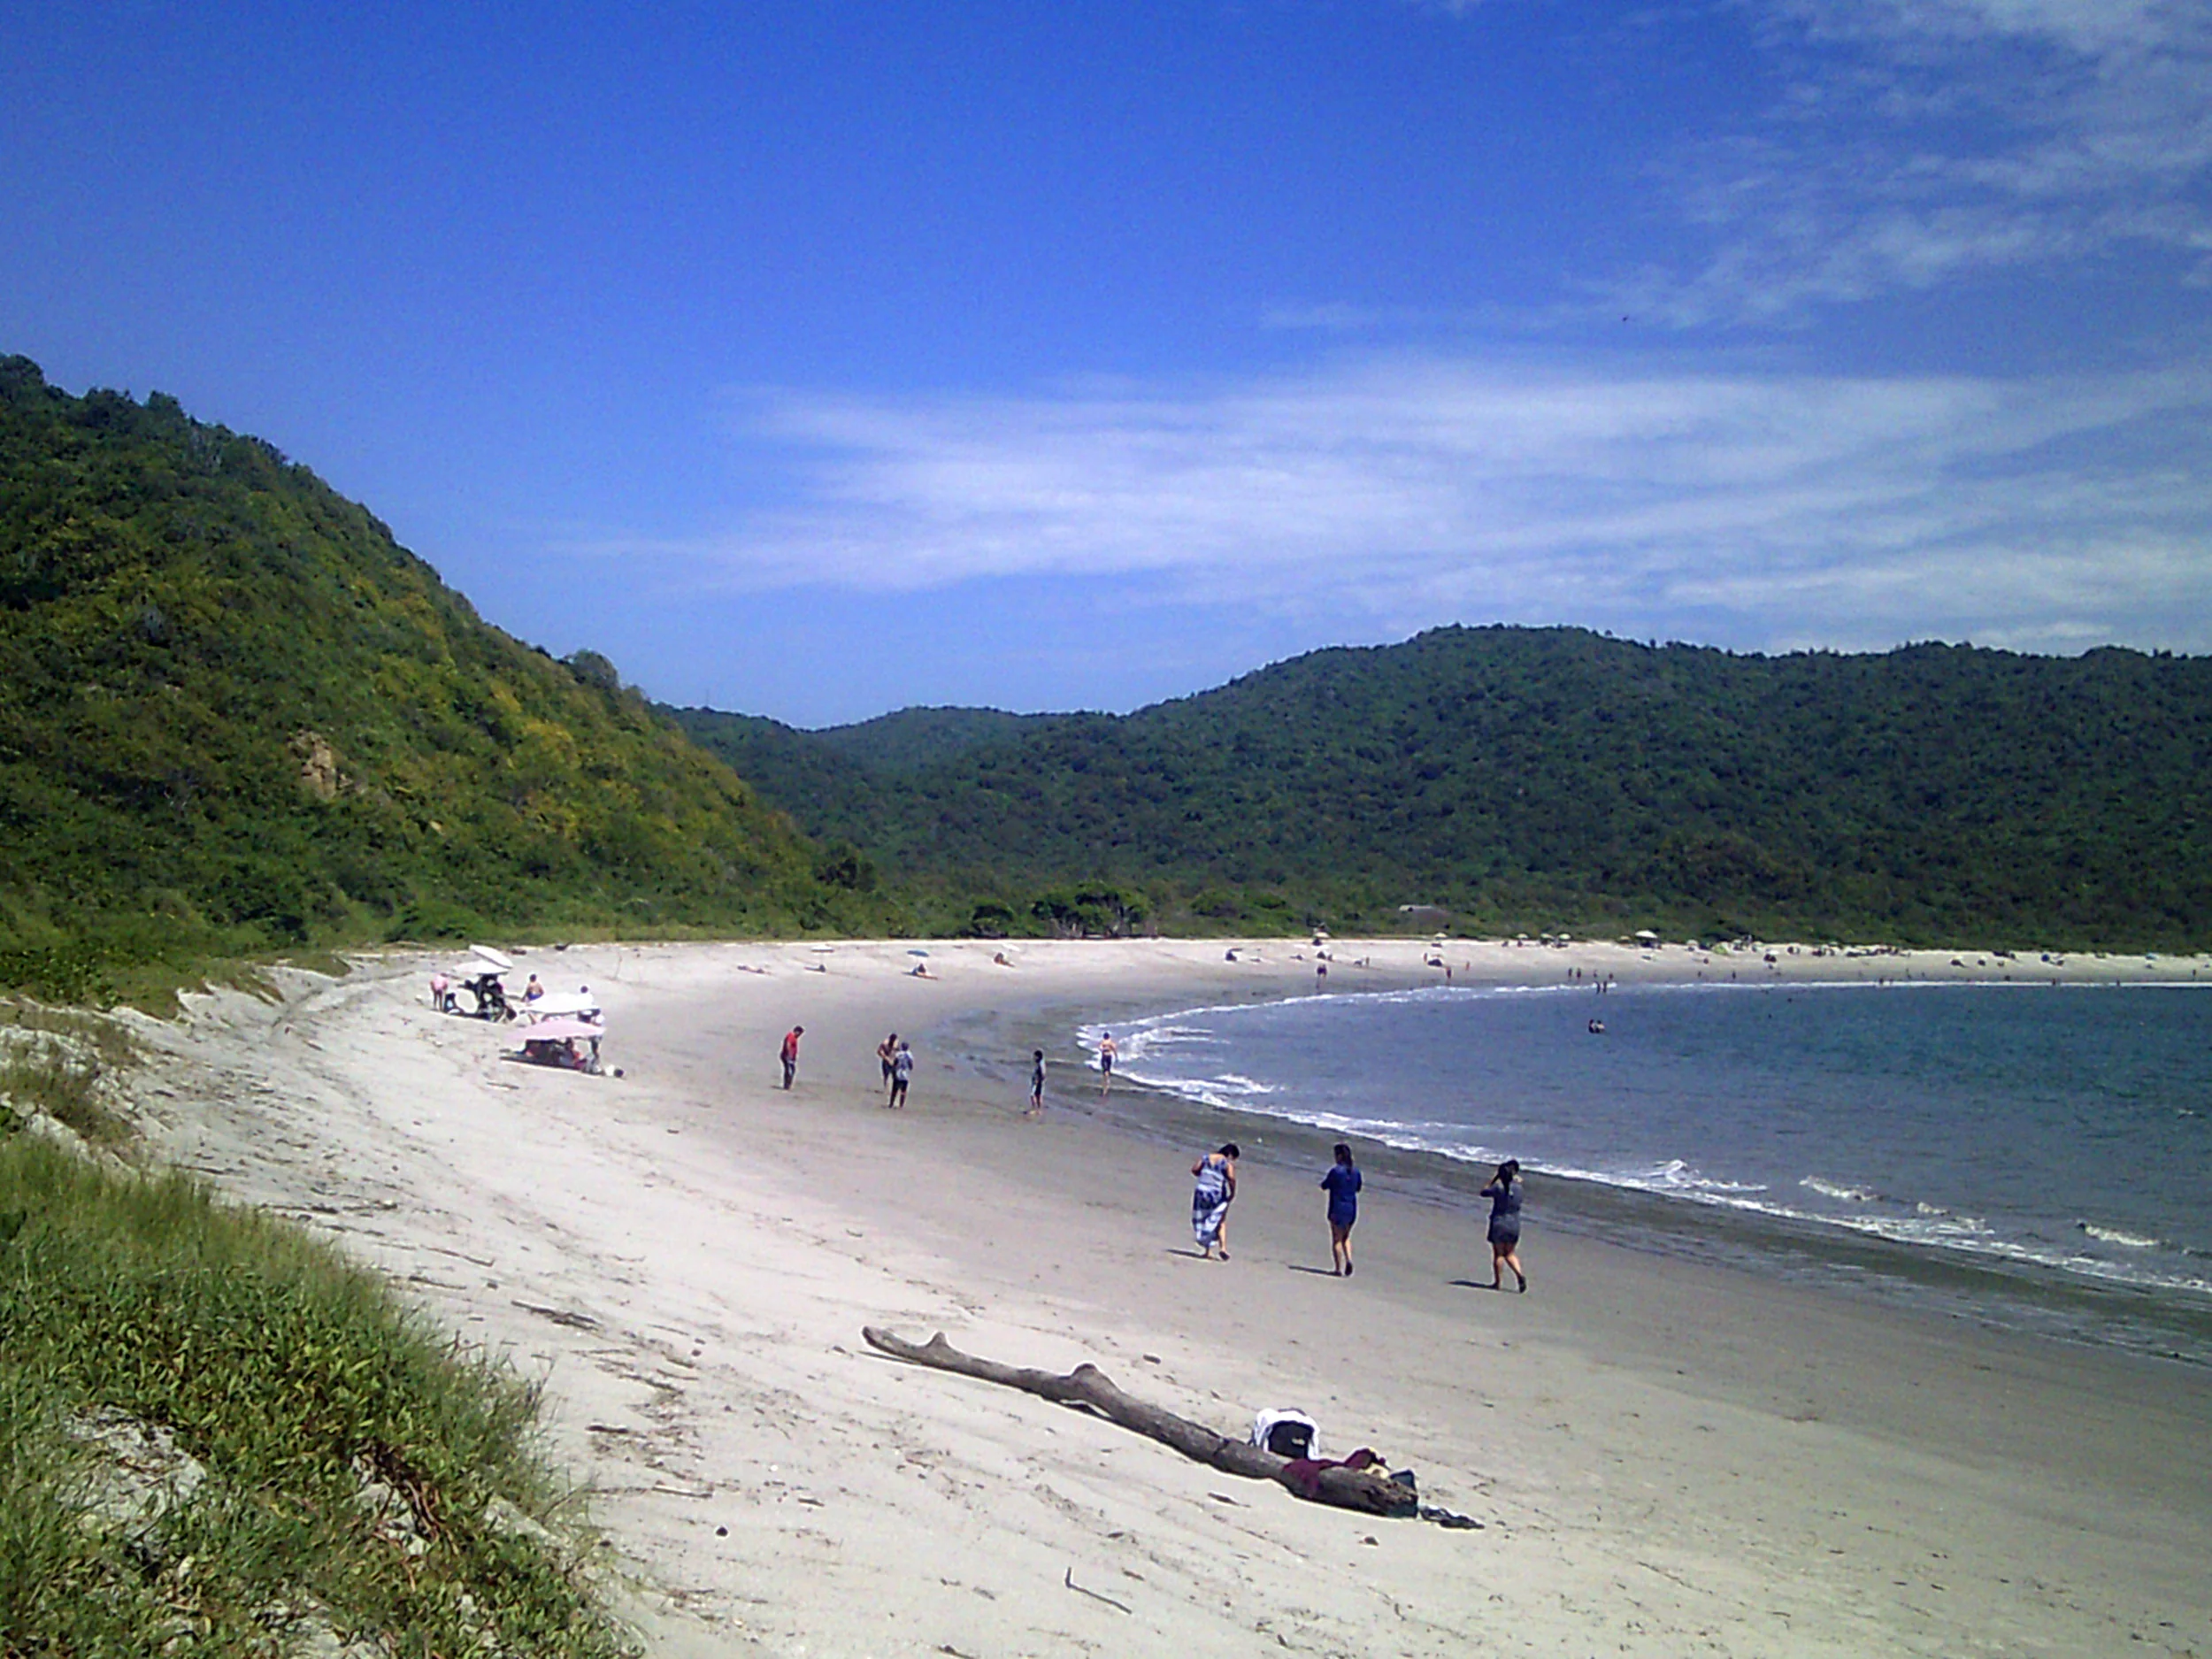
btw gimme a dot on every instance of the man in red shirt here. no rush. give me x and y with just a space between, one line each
791 1053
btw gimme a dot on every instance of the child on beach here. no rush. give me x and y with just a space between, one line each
1343 1183
1037 1085
1216 1175
1505 1224
901 1074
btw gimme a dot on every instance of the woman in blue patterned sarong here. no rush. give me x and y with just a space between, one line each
1216 1187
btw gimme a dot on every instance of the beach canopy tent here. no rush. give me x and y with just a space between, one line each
558 1002
561 1030
1645 932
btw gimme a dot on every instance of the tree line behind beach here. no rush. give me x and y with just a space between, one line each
1501 780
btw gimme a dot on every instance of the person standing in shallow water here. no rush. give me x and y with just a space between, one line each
1343 1183
1106 1052
1504 1194
1216 1175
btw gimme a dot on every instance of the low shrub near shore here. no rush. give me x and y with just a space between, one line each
218 1436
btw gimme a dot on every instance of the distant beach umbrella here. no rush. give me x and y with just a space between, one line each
918 952
504 963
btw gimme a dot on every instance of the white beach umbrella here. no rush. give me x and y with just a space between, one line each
504 963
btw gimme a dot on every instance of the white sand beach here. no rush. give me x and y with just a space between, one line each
1668 1457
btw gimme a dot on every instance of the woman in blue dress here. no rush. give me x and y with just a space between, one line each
1216 1178
1504 1194
1342 1184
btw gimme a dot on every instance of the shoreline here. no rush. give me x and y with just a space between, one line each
1667 1452
2066 1297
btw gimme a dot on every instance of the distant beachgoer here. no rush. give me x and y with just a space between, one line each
1106 1052
791 1053
1342 1184
901 1074
886 1051
441 993
532 991
1037 1085
1504 1194
1216 1190
1597 1028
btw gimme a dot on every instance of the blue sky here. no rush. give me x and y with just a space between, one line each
816 359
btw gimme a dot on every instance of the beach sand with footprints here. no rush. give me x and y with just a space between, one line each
1667 1457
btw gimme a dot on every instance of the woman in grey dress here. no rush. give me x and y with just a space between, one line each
1504 1194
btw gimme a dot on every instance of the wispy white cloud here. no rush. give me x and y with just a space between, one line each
1918 142
1393 492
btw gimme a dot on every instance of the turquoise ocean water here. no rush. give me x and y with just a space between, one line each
2021 1143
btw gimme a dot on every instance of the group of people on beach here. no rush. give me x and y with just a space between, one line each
1214 1175
898 1069
1215 1188
894 1051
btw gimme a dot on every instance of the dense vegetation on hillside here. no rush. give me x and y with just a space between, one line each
1526 778
236 714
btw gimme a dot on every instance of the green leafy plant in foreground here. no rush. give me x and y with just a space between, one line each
301 1386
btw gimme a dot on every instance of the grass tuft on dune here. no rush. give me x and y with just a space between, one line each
215 1430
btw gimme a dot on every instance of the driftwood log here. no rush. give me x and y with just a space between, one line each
1367 1490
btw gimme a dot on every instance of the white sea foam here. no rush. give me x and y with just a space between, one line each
2113 1235
1676 1176
1841 1194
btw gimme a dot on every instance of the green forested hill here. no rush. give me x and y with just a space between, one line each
909 740
233 712
1526 778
